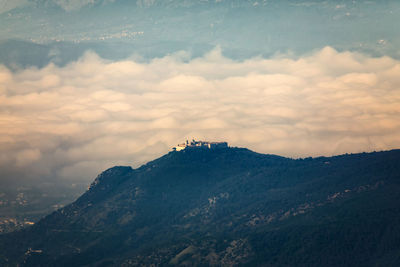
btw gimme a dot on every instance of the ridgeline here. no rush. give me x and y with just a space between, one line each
225 207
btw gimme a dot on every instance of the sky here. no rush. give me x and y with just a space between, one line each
86 85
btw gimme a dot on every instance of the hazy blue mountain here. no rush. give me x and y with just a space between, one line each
243 29
225 207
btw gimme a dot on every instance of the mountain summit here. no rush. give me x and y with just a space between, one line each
225 207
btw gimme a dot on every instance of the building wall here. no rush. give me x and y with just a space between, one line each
194 144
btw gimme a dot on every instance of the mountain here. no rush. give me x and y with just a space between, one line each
225 207
37 32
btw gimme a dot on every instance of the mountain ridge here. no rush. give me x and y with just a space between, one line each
225 207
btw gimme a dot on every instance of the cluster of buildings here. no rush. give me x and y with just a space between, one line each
200 144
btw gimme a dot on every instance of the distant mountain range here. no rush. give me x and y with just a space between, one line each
75 5
58 31
225 207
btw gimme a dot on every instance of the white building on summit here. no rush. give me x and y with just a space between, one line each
200 144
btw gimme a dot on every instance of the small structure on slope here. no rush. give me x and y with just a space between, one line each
200 144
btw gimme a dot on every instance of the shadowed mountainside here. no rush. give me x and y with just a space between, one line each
225 207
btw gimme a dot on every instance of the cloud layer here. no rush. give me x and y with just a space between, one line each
72 122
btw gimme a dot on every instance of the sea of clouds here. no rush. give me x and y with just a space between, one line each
72 122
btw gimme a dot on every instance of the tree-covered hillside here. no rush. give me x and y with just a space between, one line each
225 207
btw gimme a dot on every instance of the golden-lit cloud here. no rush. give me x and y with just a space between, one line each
74 121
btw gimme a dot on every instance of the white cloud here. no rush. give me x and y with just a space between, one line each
92 114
